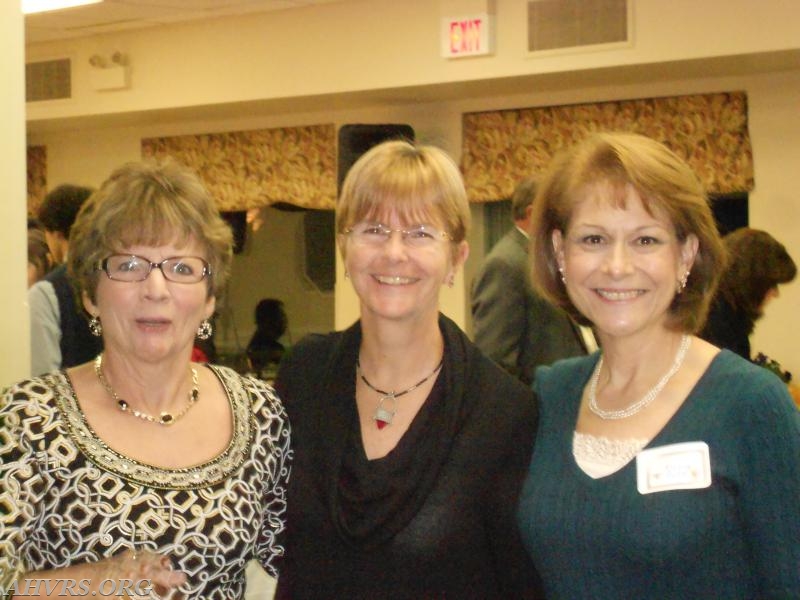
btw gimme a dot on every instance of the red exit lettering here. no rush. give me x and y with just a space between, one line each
465 36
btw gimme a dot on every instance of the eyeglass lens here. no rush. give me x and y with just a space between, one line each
377 234
180 269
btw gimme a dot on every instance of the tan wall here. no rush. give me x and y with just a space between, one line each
15 338
361 45
385 44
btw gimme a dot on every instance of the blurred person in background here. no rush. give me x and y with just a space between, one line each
757 265
59 333
39 263
513 325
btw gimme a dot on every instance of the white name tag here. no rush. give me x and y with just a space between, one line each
685 466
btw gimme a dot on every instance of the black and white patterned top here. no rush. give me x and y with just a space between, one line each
67 498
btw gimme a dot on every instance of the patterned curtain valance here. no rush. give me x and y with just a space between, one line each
709 131
37 177
250 169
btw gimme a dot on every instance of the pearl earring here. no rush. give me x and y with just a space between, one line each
683 280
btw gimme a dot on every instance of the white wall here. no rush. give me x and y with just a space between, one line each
15 338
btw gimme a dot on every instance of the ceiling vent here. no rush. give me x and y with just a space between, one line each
556 24
48 80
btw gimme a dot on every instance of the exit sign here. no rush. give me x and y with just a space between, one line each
467 36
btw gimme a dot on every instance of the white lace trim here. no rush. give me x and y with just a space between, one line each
599 456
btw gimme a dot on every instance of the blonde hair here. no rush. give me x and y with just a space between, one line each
419 182
666 185
148 203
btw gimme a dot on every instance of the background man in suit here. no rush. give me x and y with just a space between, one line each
513 325
60 336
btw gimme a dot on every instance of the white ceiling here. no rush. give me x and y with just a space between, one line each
119 15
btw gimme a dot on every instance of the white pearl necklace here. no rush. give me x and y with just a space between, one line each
634 408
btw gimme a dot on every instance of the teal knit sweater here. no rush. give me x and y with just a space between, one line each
738 538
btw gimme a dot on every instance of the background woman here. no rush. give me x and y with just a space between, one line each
757 265
410 446
664 467
141 464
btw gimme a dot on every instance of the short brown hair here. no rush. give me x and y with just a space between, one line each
148 203
417 181
665 184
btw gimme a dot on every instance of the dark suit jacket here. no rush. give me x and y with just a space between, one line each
513 325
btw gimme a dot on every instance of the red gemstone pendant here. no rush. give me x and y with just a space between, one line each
384 413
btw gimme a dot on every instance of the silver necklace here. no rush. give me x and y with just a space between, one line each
647 398
387 403
165 418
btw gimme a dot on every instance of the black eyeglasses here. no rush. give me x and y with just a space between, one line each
180 269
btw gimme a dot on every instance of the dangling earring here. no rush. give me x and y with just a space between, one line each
95 327
205 330
563 275
346 274
451 281
683 280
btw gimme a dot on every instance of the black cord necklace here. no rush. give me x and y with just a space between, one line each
387 403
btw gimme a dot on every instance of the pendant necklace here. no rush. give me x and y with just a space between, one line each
165 418
647 398
387 403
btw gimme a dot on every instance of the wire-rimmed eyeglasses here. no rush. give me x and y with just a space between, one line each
377 234
179 269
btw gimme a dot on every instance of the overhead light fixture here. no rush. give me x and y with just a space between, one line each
37 6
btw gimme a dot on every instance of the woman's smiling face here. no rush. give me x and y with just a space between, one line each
397 279
622 265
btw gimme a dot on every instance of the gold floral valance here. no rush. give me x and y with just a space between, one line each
37 177
708 130
251 169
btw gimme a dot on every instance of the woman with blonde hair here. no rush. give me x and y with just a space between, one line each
410 445
664 467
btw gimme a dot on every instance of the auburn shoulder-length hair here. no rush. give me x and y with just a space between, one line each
666 185
757 263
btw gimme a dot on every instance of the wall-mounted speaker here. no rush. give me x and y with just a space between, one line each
237 220
319 226
320 248
355 140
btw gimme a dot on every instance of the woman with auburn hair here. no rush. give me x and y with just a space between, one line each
410 445
757 265
141 466
664 467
